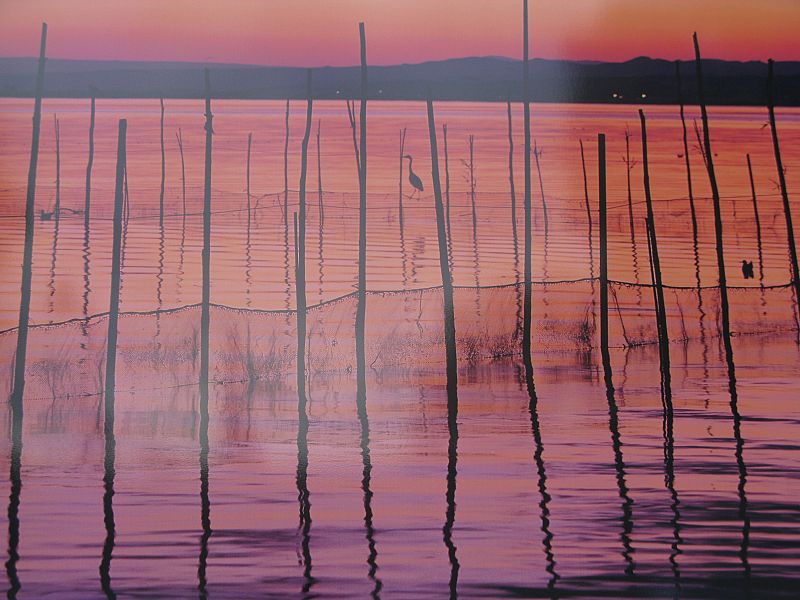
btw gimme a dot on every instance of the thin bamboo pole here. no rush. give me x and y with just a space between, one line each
321 205
57 128
27 256
787 209
361 308
527 300
179 136
601 171
300 245
163 168
205 318
511 166
116 268
447 197
758 223
689 187
444 264
712 177
661 314
89 164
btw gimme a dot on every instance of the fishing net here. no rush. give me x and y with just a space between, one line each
160 351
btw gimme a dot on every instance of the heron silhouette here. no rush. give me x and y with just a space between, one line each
413 178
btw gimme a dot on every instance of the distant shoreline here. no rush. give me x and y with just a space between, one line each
478 79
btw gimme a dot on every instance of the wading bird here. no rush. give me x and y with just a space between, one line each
413 178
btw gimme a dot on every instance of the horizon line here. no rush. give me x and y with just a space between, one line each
397 64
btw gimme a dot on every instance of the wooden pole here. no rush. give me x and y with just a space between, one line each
89 165
709 156
758 223
588 207
361 309
249 147
444 264
286 171
321 206
447 196
163 169
689 187
27 256
511 165
787 210
111 361
300 245
116 268
601 171
661 312
179 135
57 126
527 300
205 318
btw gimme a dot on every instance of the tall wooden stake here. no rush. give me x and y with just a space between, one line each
300 252
601 172
321 206
511 165
361 309
527 300
661 312
444 263
116 268
27 256
89 165
205 316
163 169
787 210
712 177
758 223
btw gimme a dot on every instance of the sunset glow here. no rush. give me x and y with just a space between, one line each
316 32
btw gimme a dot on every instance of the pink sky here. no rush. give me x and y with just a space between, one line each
321 32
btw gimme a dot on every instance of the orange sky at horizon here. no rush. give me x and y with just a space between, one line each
324 32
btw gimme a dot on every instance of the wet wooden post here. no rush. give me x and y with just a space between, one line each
688 164
511 166
321 206
27 255
116 268
601 177
163 169
361 309
787 210
300 248
205 315
758 222
179 136
527 300
89 164
661 311
249 147
444 263
712 177
286 170
57 126
447 196
402 154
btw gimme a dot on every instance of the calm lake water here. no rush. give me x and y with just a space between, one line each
568 492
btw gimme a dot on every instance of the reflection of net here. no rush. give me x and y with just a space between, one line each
161 350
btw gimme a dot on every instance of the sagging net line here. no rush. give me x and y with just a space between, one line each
159 350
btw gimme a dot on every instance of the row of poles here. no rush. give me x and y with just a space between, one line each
442 224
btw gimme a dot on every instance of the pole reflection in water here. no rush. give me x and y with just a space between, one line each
366 461
13 499
303 495
205 502
547 540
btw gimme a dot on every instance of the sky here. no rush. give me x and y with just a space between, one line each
325 32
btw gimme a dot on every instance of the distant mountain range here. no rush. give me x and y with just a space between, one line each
641 80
